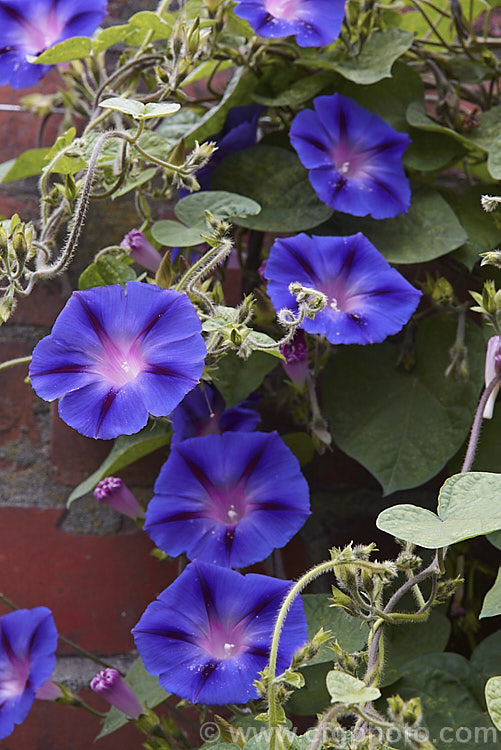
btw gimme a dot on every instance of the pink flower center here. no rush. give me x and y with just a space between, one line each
224 641
121 363
285 10
349 163
42 33
229 505
13 678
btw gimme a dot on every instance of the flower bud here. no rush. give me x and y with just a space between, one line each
113 687
49 691
141 250
492 368
296 356
490 202
114 493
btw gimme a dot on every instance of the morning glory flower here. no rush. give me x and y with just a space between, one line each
314 23
114 356
228 501
354 158
208 635
28 27
367 299
203 412
28 641
492 368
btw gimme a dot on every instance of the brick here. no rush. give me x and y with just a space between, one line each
43 305
16 396
73 457
96 586
50 726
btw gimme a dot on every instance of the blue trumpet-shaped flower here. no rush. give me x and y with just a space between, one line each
228 501
354 158
115 356
28 641
203 412
367 299
28 27
208 635
314 23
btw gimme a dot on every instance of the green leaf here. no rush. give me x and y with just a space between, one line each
71 49
174 234
160 109
144 176
488 129
469 505
148 20
415 639
349 633
452 699
298 92
110 36
28 164
138 110
431 151
429 230
276 179
126 106
417 116
147 690
494 159
344 688
403 426
66 164
237 91
174 128
376 57
223 205
486 659
483 229
493 700
492 602
126 450
236 378
110 269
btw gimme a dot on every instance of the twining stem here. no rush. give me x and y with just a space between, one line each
13 362
477 423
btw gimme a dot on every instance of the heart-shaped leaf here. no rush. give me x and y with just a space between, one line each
469 505
344 688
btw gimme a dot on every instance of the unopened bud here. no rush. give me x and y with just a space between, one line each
113 687
114 493
20 247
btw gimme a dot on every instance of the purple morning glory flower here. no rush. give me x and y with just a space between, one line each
28 27
28 641
354 158
228 499
314 23
367 299
115 355
209 633
203 412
